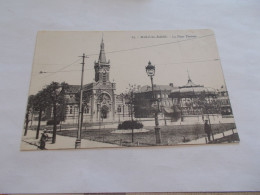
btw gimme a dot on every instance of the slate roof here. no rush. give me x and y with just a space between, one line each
147 88
190 84
73 88
76 88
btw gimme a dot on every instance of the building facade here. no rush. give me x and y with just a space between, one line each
100 103
190 102
194 101
223 96
147 102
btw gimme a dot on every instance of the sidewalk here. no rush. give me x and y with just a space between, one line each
62 142
216 136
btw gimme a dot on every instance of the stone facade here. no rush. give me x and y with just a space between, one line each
100 103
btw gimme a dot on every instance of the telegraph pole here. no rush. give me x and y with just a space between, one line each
78 140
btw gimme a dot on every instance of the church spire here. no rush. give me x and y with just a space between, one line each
102 56
102 66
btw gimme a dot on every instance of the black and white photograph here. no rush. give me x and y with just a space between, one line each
126 89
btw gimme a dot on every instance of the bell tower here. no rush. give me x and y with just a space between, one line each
102 67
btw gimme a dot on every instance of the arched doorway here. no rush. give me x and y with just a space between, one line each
104 112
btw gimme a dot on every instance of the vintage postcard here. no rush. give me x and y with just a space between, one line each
126 89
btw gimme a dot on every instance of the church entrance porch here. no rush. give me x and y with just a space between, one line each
104 112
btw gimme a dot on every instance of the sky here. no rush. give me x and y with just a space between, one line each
174 54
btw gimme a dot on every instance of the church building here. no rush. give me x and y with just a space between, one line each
100 102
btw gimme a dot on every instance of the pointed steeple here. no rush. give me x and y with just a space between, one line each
102 56
102 66
190 83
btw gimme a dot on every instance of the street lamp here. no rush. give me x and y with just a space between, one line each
150 70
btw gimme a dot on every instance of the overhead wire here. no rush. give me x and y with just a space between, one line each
131 49
61 68
155 45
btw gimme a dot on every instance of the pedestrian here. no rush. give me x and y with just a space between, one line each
207 129
44 138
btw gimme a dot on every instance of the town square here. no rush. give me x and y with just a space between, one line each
103 100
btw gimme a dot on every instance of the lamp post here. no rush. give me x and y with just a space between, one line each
150 70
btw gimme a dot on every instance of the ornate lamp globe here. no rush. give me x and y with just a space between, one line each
150 69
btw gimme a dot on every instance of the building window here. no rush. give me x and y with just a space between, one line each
70 109
86 110
119 109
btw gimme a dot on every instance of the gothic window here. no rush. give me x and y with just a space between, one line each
105 99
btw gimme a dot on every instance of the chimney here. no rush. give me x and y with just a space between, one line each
171 84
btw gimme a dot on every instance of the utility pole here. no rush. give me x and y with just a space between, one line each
80 120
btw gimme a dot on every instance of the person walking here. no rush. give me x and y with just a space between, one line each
44 138
207 129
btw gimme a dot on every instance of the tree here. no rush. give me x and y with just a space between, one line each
85 101
130 98
40 103
208 106
56 96
29 110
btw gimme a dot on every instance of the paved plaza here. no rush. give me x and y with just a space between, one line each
62 142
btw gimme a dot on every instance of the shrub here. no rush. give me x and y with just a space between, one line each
130 125
119 126
51 122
